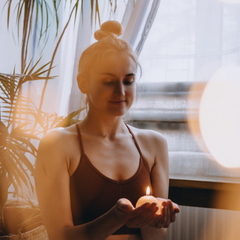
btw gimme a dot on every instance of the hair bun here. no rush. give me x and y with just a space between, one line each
109 28
112 26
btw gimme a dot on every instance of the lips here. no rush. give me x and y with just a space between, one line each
118 102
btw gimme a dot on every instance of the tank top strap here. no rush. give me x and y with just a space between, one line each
139 150
80 139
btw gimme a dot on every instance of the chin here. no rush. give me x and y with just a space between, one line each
118 113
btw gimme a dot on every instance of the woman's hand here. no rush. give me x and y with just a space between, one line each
135 217
168 214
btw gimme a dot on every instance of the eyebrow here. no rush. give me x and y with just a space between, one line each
110 74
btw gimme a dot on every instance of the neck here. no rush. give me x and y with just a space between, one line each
105 126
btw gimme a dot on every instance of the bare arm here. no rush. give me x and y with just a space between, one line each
52 184
160 185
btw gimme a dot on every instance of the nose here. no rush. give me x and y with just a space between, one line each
119 89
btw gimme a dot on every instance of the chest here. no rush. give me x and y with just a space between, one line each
117 160
115 172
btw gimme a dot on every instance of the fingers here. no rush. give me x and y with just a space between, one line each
142 215
173 207
134 217
172 211
176 208
148 218
124 205
163 217
142 210
154 221
167 216
147 213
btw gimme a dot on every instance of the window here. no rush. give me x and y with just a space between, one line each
190 40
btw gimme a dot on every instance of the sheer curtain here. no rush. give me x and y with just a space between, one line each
187 43
190 40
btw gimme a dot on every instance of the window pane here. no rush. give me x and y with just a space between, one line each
190 40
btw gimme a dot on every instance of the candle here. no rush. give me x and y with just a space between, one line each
148 198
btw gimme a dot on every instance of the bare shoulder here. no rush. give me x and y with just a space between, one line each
149 137
56 137
58 146
153 145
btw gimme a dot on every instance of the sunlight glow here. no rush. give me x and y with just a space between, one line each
219 116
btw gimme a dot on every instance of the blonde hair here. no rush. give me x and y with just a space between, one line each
108 42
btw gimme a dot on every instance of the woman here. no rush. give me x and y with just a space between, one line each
90 175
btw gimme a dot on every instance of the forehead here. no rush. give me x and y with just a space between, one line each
118 64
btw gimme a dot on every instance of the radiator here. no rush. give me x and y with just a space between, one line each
205 224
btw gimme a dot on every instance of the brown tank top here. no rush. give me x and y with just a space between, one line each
92 193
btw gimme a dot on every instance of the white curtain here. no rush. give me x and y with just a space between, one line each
67 58
190 40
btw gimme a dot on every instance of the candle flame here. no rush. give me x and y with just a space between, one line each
148 191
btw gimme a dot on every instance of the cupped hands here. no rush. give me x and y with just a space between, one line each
146 215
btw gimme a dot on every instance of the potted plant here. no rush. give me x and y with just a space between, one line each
22 123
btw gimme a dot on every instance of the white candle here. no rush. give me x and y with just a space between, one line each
148 198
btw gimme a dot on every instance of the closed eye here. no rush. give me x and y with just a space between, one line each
126 81
129 81
108 82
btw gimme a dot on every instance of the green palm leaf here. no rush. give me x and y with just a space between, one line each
21 121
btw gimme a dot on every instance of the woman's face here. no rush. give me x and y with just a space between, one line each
111 84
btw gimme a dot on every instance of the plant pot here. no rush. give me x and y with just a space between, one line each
19 217
38 233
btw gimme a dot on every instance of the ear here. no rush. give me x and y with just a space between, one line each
82 83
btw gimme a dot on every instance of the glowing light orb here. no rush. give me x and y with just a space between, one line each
219 116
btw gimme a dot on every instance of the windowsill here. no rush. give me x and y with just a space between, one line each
209 179
207 194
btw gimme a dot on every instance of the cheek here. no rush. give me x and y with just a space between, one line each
98 93
131 92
